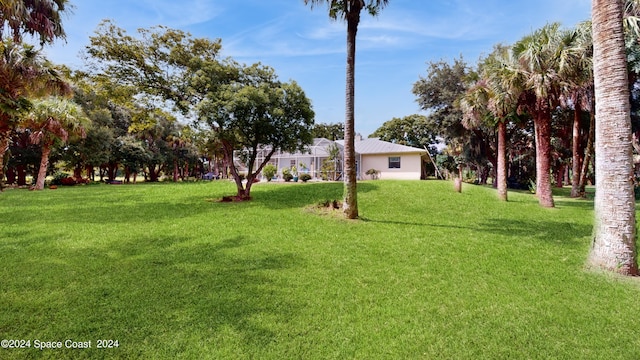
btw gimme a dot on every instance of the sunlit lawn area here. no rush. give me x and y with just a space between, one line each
170 273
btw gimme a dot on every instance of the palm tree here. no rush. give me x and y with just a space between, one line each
52 120
349 10
33 17
576 73
614 241
539 57
492 100
23 73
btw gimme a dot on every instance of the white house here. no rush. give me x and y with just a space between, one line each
392 161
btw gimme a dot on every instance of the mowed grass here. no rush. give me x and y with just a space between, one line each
427 273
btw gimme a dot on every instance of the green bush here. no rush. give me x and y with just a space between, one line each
58 177
269 171
305 177
373 173
286 174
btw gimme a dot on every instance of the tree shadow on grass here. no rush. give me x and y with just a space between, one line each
165 292
556 232
561 233
283 196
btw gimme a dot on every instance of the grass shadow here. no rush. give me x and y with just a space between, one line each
194 288
556 232
284 196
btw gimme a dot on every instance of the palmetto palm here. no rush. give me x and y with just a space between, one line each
492 100
23 73
51 120
349 11
576 73
614 242
538 57
34 17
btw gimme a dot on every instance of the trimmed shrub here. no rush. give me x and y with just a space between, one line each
305 177
269 171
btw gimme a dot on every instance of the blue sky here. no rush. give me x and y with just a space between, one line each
304 45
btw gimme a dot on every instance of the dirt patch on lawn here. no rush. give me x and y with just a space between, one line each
229 199
327 207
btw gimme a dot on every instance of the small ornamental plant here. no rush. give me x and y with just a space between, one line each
286 174
269 171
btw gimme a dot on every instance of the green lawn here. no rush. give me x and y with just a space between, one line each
427 273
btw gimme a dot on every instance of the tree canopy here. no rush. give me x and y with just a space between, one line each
258 115
247 107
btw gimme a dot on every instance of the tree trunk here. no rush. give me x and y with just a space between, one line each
543 158
90 173
501 172
560 170
614 241
22 175
4 146
176 171
350 203
44 164
112 170
11 175
588 151
77 172
154 173
575 169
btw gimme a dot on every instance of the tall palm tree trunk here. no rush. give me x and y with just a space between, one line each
44 164
588 151
501 172
543 158
350 203
614 239
575 138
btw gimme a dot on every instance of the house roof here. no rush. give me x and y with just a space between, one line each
319 148
377 146
364 146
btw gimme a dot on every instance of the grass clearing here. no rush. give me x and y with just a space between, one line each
426 273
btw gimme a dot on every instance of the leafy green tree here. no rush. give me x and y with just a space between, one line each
163 64
109 106
439 94
133 155
614 239
52 120
258 115
349 11
24 157
328 131
413 130
163 70
159 127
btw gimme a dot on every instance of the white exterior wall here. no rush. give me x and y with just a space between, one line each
410 166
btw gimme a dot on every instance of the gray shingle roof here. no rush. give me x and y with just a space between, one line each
377 146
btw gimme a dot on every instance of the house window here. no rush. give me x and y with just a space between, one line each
292 163
394 162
